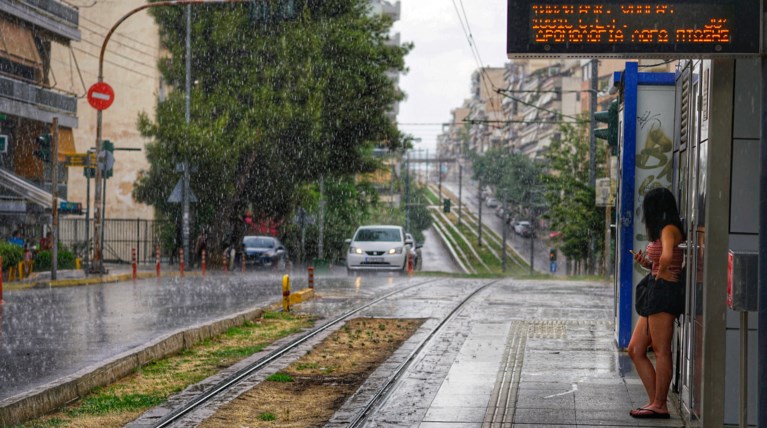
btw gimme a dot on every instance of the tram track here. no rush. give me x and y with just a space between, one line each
381 394
229 382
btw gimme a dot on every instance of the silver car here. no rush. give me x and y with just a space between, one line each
377 248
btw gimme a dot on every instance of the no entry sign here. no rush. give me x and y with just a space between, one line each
101 96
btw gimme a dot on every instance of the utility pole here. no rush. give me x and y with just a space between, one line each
439 176
55 196
321 245
505 233
187 119
593 152
460 190
479 220
407 191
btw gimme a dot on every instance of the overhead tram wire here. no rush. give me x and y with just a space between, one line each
127 46
519 100
472 45
152 67
115 64
119 34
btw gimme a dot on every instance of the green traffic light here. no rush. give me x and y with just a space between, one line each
610 117
43 151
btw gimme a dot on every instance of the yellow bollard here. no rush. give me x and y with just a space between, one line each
21 270
286 293
77 263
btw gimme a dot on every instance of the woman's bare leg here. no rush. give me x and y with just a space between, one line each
661 330
640 341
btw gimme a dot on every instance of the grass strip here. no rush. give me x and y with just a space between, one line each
151 385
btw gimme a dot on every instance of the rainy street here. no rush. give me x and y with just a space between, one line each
89 326
383 213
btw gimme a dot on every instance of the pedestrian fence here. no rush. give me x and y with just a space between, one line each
120 237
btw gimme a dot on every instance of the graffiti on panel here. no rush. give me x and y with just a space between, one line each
654 164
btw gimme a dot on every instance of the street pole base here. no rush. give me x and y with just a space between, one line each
93 270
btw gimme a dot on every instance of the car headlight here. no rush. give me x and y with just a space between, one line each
355 250
397 250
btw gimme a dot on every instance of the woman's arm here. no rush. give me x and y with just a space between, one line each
670 237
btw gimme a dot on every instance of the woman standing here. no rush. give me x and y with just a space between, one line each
659 301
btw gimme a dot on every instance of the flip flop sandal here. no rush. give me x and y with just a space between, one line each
648 414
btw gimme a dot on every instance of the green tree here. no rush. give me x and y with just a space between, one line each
517 180
573 210
282 95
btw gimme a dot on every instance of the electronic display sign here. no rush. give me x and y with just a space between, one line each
630 29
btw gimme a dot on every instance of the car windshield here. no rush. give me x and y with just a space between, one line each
378 235
259 242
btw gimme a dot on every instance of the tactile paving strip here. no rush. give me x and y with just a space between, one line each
503 400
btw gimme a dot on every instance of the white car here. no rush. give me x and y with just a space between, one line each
491 202
377 248
522 228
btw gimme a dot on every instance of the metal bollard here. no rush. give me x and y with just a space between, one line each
133 263
409 264
202 263
286 293
181 261
78 263
311 277
157 260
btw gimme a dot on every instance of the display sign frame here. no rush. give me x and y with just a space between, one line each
629 29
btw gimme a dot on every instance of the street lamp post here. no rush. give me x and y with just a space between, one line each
97 265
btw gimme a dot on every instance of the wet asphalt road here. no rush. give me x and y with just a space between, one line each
489 219
46 334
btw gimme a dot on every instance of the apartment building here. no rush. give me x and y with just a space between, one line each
31 96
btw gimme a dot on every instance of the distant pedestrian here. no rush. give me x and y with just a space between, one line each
16 239
660 299
46 243
28 260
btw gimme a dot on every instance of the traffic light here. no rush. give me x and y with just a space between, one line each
446 206
610 117
43 150
108 146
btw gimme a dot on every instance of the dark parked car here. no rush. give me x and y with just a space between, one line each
264 251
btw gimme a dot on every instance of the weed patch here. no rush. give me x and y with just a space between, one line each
151 385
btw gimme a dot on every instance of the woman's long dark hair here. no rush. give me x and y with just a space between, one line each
659 208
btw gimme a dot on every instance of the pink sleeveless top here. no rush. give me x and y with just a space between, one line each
654 250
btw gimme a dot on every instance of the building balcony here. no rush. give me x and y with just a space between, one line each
34 102
59 19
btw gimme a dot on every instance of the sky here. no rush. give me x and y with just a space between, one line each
441 63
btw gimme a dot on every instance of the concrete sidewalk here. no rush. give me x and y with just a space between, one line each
522 354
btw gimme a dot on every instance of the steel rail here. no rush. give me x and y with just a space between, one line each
240 375
384 391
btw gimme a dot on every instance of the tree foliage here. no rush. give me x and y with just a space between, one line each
517 180
573 209
276 103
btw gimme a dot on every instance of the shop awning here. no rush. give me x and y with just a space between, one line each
66 143
17 44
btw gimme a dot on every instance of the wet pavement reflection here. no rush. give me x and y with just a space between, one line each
46 334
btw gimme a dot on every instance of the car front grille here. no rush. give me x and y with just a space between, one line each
375 253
